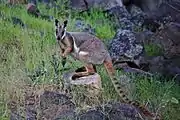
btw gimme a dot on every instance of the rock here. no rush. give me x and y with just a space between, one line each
117 111
126 24
124 44
80 5
153 13
166 12
14 113
52 105
147 5
30 106
93 82
167 68
168 39
15 116
12 2
92 115
55 106
127 19
112 111
83 5
119 12
33 10
121 17
137 15
43 104
82 26
144 36
164 50
90 85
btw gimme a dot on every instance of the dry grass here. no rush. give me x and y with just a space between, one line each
25 52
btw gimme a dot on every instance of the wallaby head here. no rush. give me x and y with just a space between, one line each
60 29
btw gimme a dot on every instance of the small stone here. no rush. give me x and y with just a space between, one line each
33 10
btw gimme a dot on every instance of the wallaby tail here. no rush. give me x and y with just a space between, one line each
109 67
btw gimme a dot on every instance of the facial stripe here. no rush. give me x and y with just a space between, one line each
63 34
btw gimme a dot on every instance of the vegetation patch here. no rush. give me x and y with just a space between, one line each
29 56
153 50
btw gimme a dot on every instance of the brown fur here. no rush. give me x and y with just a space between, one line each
93 52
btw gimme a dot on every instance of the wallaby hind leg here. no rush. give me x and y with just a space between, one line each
83 69
109 67
89 71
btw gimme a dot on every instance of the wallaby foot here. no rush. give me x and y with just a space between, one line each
81 69
89 71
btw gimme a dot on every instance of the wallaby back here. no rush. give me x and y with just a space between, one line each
94 47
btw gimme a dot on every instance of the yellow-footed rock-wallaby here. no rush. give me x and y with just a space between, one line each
91 51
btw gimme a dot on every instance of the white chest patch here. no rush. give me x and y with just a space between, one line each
76 49
83 53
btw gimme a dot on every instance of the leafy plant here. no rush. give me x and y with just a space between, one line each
153 50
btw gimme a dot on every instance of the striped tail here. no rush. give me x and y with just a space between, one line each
109 67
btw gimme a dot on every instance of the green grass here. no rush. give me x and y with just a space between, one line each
153 50
23 52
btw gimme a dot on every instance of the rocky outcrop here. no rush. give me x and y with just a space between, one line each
124 44
160 54
166 54
151 37
111 111
168 39
52 105
86 4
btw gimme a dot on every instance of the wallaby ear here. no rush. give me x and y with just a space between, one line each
56 22
65 23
